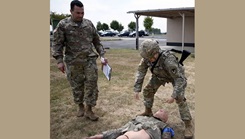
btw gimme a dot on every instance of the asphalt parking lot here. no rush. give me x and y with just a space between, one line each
130 43
127 42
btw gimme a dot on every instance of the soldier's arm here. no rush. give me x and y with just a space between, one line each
176 71
96 42
58 42
140 75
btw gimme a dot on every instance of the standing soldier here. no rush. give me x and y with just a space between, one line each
77 37
165 68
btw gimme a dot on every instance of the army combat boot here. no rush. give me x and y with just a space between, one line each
188 129
147 112
90 114
80 112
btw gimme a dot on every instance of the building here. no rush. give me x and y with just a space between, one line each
180 24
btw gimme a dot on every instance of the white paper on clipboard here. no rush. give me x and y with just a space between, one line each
107 71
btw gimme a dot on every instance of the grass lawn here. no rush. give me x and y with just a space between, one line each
116 104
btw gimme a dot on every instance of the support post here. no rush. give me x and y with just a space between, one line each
137 30
183 30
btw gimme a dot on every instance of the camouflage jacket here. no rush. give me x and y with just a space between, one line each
151 125
76 42
166 69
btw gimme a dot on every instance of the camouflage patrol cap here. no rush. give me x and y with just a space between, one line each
148 48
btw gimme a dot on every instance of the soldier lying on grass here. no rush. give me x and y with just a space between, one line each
141 127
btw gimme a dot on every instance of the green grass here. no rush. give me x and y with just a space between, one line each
116 104
110 39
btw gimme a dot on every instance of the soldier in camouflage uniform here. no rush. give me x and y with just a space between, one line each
141 127
165 68
78 39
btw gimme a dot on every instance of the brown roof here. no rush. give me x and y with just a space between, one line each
166 13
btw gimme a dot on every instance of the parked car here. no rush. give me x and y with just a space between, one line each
108 33
125 33
141 33
100 33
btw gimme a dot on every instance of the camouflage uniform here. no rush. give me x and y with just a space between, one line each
166 69
78 43
153 127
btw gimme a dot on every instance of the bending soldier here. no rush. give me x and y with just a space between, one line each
165 68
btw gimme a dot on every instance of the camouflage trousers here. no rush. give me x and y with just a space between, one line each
83 77
151 88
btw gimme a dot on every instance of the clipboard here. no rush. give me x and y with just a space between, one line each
107 71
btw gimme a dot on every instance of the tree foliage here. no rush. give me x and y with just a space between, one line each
99 26
132 25
155 31
55 18
105 26
120 27
148 22
54 15
114 25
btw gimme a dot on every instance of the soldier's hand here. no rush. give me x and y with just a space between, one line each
103 60
170 100
61 67
136 95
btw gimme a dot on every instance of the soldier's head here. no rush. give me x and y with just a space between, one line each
77 10
149 49
162 114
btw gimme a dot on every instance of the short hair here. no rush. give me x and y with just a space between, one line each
77 3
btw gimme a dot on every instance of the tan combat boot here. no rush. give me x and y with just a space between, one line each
188 129
80 112
147 112
90 114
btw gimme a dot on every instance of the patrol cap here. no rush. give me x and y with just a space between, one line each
148 48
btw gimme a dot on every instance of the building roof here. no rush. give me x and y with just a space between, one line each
166 13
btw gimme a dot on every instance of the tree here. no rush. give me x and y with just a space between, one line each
120 27
105 26
114 25
99 26
55 18
54 15
132 25
148 22
156 30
